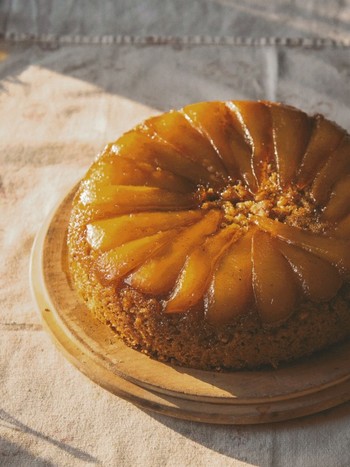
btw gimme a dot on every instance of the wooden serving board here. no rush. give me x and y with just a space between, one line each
240 397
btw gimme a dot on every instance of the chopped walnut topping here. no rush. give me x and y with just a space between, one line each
290 205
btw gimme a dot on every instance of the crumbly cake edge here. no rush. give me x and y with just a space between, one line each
187 339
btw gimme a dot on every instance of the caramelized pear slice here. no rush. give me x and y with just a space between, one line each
176 130
241 146
320 280
194 278
138 146
257 122
108 233
219 123
114 264
230 292
325 138
339 203
158 275
121 171
291 134
275 288
124 198
342 230
213 119
335 168
334 250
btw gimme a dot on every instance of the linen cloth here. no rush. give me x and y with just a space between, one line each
59 105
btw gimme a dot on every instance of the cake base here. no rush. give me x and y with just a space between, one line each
239 397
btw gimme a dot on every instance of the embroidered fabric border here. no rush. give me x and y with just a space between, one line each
156 40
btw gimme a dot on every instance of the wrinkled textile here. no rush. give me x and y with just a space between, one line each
59 105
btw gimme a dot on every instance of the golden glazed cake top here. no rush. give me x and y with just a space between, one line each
225 207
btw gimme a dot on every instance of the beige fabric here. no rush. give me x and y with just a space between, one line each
57 110
247 18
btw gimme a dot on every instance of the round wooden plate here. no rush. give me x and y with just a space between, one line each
242 397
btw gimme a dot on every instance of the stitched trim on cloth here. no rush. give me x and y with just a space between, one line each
174 40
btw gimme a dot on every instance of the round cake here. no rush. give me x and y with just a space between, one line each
218 236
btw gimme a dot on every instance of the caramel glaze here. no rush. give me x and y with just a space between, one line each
262 179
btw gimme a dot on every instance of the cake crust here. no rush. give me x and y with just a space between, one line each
189 338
